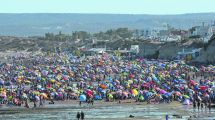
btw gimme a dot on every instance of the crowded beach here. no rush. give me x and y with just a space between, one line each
50 78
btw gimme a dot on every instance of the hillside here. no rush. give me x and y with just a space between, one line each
38 24
147 49
32 44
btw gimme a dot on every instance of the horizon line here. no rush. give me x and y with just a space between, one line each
104 13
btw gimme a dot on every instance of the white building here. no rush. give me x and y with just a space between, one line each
135 49
173 38
201 31
211 32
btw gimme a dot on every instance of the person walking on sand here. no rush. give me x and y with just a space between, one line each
41 103
26 104
202 105
209 105
194 104
92 101
79 103
78 115
198 104
35 105
82 115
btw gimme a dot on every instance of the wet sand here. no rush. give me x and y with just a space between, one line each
101 110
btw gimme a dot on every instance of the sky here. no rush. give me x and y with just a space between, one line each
108 6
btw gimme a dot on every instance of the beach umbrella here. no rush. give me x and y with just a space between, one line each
203 87
8 83
187 102
125 94
82 98
155 79
65 77
2 82
141 98
103 86
132 76
124 74
44 95
110 96
110 79
162 91
186 96
130 81
117 81
145 91
103 91
52 80
135 86
39 86
135 92
58 83
97 97
168 94
37 98
73 94
89 92
175 81
44 72
36 92
69 88
166 87
177 93
182 81
192 82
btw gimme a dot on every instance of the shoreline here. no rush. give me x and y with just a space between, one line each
174 109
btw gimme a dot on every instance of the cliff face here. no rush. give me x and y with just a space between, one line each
208 53
169 50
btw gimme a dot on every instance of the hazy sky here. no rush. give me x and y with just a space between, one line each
107 6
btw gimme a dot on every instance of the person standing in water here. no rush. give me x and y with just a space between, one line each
78 115
82 115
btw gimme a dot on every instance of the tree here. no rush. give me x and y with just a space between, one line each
49 36
124 32
82 35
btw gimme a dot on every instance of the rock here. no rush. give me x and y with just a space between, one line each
131 116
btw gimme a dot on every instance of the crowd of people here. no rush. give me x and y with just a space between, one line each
58 77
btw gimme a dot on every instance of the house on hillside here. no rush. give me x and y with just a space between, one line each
93 51
200 31
203 32
211 32
142 34
189 55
